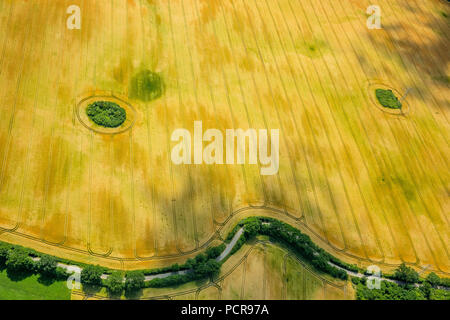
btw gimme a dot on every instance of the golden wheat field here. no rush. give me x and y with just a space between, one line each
369 186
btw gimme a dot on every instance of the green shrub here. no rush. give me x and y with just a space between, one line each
214 252
19 261
388 99
146 85
389 291
433 279
134 281
252 227
61 273
171 281
4 249
445 282
106 114
114 283
91 275
47 266
406 274
299 243
208 268
438 294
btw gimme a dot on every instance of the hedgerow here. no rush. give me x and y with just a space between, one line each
205 265
296 240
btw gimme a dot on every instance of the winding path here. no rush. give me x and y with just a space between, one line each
76 269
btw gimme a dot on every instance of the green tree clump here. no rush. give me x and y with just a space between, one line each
389 291
208 268
445 282
433 279
4 249
214 252
47 266
91 275
106 114
114 284
388 99
134 281
252 227
393 291
406 274
300 243
19 261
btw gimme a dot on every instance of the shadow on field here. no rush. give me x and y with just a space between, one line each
430 54
46 280
134 295
91 290
16 275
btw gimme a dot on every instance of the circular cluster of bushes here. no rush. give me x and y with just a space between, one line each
388 99
146 85
106 114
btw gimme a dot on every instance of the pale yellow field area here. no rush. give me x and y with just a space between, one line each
368 186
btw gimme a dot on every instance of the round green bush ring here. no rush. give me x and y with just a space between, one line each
388 99
106 114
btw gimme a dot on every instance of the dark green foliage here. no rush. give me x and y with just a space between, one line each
208 268
347 266
214 252
190 263
114 284
363 281
389 291
146 85
445 282
426 290
106 114
252 227
175 267
19 261
300 243
393 291
433 279
388 99
437 294
200 258
406 274
47 266
91 275
198 268
134 281
171 281
356 280
61 273
204 264
4 249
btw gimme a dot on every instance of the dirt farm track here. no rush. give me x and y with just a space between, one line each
369 186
